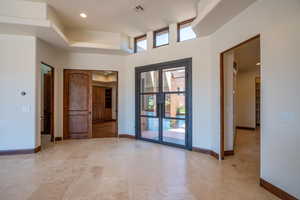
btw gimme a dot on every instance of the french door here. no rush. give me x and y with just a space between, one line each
164 103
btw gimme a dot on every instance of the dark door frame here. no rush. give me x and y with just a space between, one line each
52 99
65 121
187 63
222 96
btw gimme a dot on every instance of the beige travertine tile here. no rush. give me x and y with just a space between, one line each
126 169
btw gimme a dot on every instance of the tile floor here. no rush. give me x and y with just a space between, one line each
121 169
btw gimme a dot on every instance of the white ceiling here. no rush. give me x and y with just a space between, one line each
248 55
120 16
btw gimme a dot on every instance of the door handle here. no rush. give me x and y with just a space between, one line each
160 105
160 98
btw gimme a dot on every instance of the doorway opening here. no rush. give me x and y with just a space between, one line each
90 104
240 101
164 103
47 104
104 101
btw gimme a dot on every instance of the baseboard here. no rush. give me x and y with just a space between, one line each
58 138
245 127
127 136
104 121
20 151
276 191
229 153
206 151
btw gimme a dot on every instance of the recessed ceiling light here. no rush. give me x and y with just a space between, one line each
258 64
83 15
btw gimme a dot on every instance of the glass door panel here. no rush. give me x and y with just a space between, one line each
150 128
149 82
174 79
174 131
148 91
148 105
175 105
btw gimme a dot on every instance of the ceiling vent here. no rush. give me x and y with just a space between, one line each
138 8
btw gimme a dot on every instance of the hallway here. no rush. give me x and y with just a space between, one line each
248 144
246 159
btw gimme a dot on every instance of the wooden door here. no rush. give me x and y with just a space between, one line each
98 104
77 104
47 103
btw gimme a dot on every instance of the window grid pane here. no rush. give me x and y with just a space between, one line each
174 79
140 44
174 131
150 128
149 82
175 106
148 105
161 38
186 32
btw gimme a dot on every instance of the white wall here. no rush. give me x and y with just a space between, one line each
278 24
55 58
18 73
246 99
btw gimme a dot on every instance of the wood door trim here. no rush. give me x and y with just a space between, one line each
222 123
52 99
117 105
